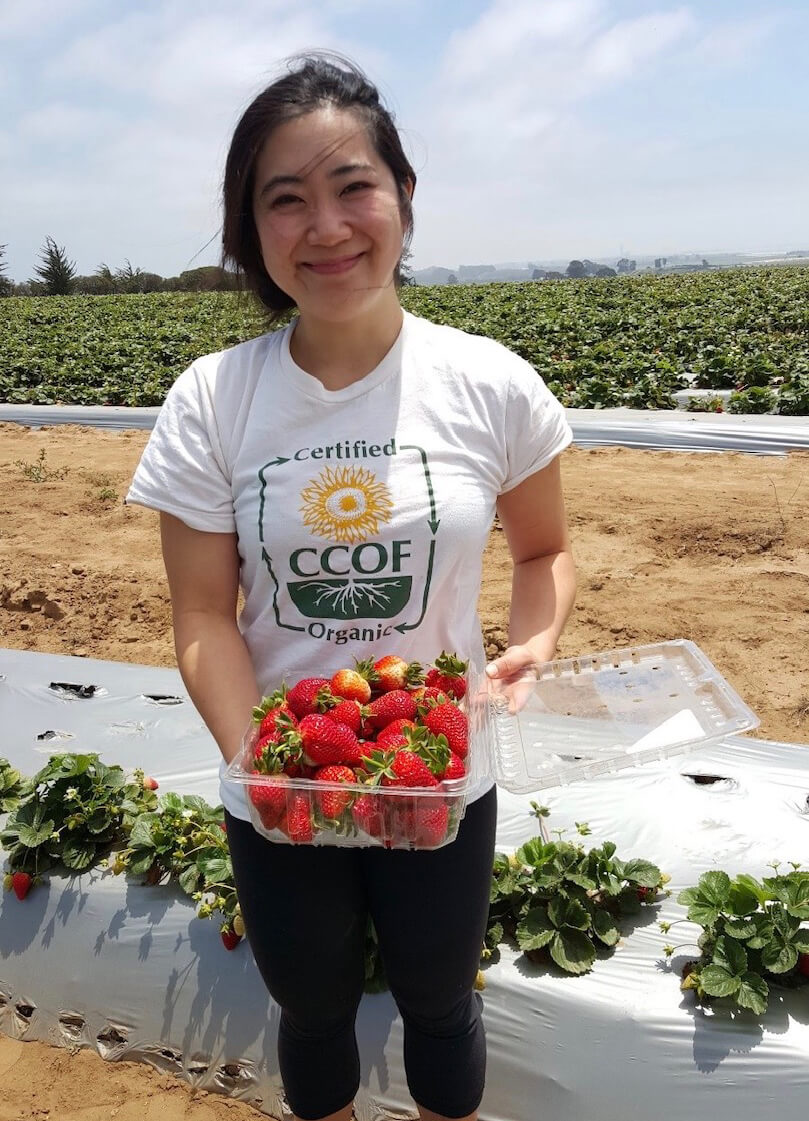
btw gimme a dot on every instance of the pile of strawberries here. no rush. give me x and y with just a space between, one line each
382 726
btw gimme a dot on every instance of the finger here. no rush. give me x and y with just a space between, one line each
515 659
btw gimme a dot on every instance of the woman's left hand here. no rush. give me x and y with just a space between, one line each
513 675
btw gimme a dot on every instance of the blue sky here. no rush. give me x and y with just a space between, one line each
540 129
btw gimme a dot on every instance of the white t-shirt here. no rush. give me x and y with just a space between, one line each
361 513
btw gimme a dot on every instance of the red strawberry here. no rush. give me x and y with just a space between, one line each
424 696
21 883
230 939
347 712
448 674
297 821
395 729
367 814
394 672
322 741
270 799
455 768
406 768
354 684
149 783
645 894
431 822
277 721
448 720
302 697
334 803
803 964
396 705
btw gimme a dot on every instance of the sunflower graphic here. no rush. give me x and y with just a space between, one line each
347 504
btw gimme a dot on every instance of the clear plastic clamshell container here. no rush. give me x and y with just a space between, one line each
576 718
557 722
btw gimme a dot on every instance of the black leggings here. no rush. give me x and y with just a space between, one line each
305 911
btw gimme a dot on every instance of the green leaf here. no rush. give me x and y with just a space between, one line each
642 872
189 879
142 835
171 801
737 928
714 887
536 930
197 804
798 897
742 900
604 927
753 993
78 854
140 864
752 885
572 950
100 820
568 912
779 956
32 837
718 982
730 955
801 941
216 871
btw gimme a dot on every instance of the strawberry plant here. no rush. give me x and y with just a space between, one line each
753 936
555 900
12 787
75 808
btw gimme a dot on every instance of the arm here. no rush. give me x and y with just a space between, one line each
543 584
214 663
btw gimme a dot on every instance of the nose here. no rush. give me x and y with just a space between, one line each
327 223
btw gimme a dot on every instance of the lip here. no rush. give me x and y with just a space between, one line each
334 266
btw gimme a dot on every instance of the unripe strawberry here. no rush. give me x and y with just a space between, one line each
149 783
238 925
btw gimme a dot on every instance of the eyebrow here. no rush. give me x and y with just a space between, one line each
344 169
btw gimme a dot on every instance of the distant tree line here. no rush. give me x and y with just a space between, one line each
55 275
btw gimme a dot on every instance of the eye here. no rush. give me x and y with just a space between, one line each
283 200
358 185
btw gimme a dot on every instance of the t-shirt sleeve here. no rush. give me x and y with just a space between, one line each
536 427
183 470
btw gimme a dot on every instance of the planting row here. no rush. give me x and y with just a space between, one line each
628 341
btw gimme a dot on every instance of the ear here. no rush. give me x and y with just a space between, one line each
409 187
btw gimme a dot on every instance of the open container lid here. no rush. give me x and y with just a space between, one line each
581 717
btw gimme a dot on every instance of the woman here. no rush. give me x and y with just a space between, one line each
344 472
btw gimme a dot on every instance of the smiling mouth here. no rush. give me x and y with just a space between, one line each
333 267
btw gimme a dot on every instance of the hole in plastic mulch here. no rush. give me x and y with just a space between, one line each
111 1040
708 780
25 1011
73 690
55 734
72 1025
162 698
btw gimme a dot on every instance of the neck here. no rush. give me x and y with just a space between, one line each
338 354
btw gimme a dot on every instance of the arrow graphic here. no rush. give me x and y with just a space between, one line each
273 463
432 521
402 627
265 556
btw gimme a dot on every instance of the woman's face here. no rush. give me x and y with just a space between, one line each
328 218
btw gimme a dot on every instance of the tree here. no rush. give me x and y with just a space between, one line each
605 270
55 271
576 270
6 285
406 278
452 278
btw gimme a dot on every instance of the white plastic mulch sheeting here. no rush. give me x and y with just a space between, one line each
663 430
128 969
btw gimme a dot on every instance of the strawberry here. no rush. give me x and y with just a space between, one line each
393 672
21 883
270 799
425 695
354 684
302 697
297 821
646 894
455 768
448 673
230 939
396 705
394 729
322 741
350 713
402 767
431 823
334 803
149 783
448 720
803 964
367 814
276 722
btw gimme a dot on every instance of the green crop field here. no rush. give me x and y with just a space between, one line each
599 343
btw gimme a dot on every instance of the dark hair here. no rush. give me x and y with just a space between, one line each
311 82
